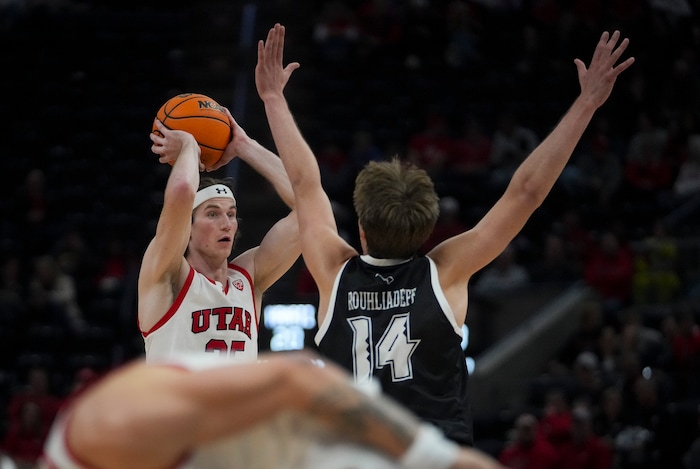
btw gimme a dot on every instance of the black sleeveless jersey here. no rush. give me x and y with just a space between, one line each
390 321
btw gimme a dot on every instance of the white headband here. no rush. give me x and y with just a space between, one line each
211 192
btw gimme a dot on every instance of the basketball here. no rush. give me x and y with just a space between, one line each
201 116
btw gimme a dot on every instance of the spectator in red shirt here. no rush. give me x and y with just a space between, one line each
468 166
25 436
528 450
448 223
38 392
585 450
686 343
555 423
578 239
430 148
471 149
646 168
685 352
649 172
609 270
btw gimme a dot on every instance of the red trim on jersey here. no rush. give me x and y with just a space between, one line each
66 415
252 287
174 307
64 418
214 282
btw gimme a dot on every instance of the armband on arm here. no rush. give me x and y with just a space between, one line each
430 450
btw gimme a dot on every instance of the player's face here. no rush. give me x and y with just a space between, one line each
214 226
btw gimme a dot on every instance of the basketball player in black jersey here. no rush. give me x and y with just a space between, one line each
389 314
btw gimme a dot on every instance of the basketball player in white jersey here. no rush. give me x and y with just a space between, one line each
190 297
204 412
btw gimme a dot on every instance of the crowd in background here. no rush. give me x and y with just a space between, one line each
464 89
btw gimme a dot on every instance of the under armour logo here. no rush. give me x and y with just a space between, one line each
220 190
388 279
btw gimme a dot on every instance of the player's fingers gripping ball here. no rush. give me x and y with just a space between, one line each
201 116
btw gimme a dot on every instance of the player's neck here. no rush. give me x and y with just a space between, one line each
378 261
214 269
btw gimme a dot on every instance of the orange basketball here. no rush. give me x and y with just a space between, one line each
201 116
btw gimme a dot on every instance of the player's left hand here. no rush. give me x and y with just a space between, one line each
168 145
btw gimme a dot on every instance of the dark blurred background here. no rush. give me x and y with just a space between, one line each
597 296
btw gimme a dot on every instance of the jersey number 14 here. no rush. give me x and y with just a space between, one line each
394 348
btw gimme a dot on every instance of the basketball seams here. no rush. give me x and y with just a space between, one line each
204 145
178 118
209 125
185 100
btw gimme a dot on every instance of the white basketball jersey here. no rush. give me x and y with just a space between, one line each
208 317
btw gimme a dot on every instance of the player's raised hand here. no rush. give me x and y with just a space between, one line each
270 75
168 143
597 80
